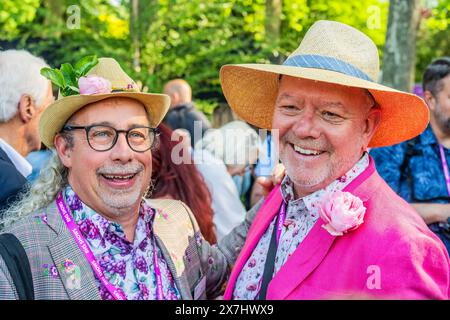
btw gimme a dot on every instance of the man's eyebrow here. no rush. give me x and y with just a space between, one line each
286 96
102 123
333 104
109 124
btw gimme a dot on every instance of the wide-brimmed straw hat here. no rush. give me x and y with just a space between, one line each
57 114
330 52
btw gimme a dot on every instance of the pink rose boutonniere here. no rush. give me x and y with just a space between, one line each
94 85
342 212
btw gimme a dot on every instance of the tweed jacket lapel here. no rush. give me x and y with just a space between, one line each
78 280
175 236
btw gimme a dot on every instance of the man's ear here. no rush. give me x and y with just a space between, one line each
430 100
64 150
175 98
27 108
372 122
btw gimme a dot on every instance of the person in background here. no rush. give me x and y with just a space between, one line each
181 182
264 169
225 157
24 95
182 113
417 169
38 159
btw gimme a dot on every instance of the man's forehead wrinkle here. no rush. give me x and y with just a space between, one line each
290 97
320 100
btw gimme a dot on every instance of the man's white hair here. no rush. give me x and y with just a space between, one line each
19 75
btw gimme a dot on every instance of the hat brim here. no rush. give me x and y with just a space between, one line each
57 114
251 91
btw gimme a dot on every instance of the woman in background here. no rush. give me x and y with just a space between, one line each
181 182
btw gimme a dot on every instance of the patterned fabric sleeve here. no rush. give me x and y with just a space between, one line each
217 260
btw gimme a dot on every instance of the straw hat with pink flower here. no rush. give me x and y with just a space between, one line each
88 81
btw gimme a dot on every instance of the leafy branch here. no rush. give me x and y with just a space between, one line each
66 77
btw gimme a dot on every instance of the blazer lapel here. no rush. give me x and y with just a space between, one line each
314 248
175 237
308 255
78 279
261 222
181 281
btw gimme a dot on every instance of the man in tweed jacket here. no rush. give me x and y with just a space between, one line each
51 243
145 249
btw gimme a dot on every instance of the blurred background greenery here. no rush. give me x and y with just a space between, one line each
158 40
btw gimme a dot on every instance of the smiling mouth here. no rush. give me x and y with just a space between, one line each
121 177
306 152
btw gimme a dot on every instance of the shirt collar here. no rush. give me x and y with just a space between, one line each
81 211
287 186
428 137
21 164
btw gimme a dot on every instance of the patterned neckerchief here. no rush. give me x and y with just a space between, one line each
301 215
128 266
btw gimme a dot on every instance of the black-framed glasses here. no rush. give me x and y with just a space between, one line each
103 137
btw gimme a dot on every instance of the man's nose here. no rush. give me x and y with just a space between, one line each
307 125
121 150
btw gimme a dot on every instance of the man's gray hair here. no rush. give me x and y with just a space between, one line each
19 75
51 180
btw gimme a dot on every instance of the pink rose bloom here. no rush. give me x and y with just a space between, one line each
342 212
94 85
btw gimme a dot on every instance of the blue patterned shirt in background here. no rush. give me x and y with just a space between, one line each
419 177
127 266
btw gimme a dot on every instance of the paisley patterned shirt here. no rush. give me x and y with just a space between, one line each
301 215
128 266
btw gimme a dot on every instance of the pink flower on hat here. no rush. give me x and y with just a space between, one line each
94 85
342 212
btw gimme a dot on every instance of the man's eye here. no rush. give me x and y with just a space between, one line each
102 134
289 108
331 115
136 134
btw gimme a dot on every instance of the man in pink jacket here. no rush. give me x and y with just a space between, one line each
333 229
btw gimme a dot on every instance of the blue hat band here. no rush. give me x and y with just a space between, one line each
326 63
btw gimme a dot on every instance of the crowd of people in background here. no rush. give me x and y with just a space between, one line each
200 183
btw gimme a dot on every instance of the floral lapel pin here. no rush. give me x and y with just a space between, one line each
342 212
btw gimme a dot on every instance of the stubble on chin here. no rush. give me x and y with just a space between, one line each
121 201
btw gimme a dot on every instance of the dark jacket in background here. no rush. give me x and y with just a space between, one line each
183 117
11 181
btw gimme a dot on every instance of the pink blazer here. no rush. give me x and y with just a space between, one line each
392 255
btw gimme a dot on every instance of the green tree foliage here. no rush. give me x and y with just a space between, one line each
192 39
14 15
434 37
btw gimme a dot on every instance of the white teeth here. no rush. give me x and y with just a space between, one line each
305 151
119 177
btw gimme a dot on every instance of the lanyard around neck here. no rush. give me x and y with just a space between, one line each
445 168
280 221
272 253
84 247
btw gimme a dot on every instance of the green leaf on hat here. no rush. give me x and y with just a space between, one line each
74 89
54 75
69 74
83 66
66 78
